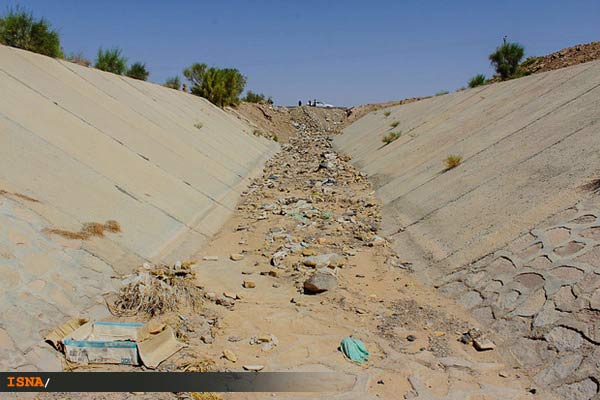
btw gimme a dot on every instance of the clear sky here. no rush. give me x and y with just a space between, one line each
341 52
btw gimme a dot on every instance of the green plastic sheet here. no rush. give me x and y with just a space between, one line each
354 349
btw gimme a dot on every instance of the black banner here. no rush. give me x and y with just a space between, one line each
175 382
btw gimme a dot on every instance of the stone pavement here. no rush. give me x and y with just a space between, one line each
541 294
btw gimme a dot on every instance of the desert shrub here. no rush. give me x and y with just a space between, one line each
221 87
506 59
198 125
477 80
453 161
173 83
390 137
252 97
442 92
394 124
19 28
111 60
387 113
138 71
79 58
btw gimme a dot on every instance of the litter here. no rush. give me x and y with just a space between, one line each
354 350
130 343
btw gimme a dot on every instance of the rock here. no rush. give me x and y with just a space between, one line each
248 284
254 368
320 282
207 339
230 355
324 260
278 257
483 344
236 257
309 252
225 301
210 258
411 338
230 295
564 339
595 300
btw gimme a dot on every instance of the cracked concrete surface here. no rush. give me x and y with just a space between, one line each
513 232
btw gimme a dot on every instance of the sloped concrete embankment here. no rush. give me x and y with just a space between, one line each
513 233
79 145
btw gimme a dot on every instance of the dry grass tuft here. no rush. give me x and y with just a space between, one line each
112 226
205 396
203 365
93 229
88 230
387 113
390 137
394 124
158 290
67 234
452 161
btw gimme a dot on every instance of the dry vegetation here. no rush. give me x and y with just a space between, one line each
88 230
157 290
390 137
452 161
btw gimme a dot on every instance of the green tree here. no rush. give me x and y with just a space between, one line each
221 87
138 71
173 83
506 59
19 28
477 80
111 60
252 97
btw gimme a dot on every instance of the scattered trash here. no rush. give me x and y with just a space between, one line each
210 258
103 342
354 350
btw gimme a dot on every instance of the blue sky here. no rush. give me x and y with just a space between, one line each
341 52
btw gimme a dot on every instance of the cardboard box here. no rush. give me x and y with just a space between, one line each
104 343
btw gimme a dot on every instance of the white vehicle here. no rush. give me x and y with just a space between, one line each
324 105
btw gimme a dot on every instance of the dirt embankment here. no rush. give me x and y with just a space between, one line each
280 123
563 58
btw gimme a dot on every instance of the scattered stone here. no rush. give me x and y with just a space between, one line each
207 339
411 338
331 260
230 355
236 257
483 344
248 284
320 282
254 368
